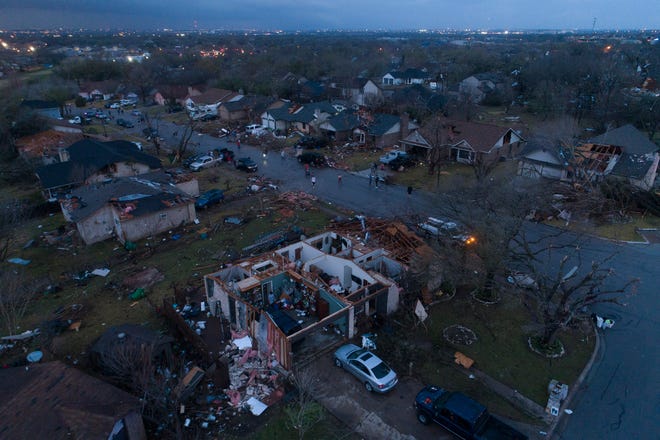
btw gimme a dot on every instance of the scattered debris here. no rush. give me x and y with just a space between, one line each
143 279
25 335
20 261
256 406
101 272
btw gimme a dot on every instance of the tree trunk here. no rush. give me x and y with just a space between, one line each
549 334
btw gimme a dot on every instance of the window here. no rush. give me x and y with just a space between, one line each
360 367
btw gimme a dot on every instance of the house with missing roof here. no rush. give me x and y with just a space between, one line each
623 153
53 400
302 298
129 208
383 130
90 161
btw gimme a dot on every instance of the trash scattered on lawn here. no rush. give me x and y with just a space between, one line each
20 261
137 294
25 335
35 356
101 272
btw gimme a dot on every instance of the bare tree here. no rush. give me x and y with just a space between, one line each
567 291
185 136
305 412
15 297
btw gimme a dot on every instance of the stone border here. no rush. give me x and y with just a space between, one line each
547 356
462 328
483 301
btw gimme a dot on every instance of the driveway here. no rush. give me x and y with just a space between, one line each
371 415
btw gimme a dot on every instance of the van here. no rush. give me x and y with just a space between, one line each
255 129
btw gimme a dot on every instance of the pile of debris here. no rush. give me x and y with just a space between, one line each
255 379
297 200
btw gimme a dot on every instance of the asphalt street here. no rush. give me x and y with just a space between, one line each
620 399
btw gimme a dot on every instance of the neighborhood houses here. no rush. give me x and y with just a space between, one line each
203 231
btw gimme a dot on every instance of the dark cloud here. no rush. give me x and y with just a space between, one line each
318 14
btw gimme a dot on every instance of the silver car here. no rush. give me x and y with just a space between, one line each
375 374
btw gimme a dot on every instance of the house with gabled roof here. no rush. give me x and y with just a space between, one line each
468 142
406 77
88 161
245 108
359 91
382 130
544 157
53 400
624 152
129 208
477 86
340 127
296 117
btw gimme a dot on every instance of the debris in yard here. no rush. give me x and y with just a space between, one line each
25 335
20 261
420 311
458 334
137 294
297 199
256 406
243 343
463 360
101 272
144 279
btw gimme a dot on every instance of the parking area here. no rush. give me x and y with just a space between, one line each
371 415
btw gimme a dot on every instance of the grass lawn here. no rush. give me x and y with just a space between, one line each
501 349
182 262
618 231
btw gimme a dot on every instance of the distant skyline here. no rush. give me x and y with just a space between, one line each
329 14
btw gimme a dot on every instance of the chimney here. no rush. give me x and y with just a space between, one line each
403 125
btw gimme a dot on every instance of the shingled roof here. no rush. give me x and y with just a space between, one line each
144 197
53 400
481 137
87 157
630 139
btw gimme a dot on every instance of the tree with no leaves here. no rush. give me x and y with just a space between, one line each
305 412
15 297
562 293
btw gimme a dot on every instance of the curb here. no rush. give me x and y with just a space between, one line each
577 385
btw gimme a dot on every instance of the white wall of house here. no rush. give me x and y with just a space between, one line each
541 164
97 227
122 169
136 228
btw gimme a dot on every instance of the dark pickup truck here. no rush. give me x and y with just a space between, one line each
462 416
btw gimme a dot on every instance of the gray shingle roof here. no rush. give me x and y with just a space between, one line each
633 165
630 139
382 123
87 157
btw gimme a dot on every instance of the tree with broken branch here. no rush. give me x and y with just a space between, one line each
567 291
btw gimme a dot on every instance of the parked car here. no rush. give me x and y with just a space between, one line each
246 164
115 105
460 415
446 229
209 198
124 123
375 374
312 158
190 159
205 162
136 113
390 156
255 129
100 115
75 120
89 113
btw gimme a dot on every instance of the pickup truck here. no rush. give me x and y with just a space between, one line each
205 162
465 418
391 155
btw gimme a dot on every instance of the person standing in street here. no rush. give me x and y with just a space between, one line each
338 179
371 176
238 144
313 181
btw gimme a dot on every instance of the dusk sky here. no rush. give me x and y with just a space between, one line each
330 14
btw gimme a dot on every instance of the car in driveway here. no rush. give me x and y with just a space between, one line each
401 161
391 155
209 198
205 162
375 375
246 164
124 123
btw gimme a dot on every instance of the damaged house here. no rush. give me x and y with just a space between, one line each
89 161
305 296
128 208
